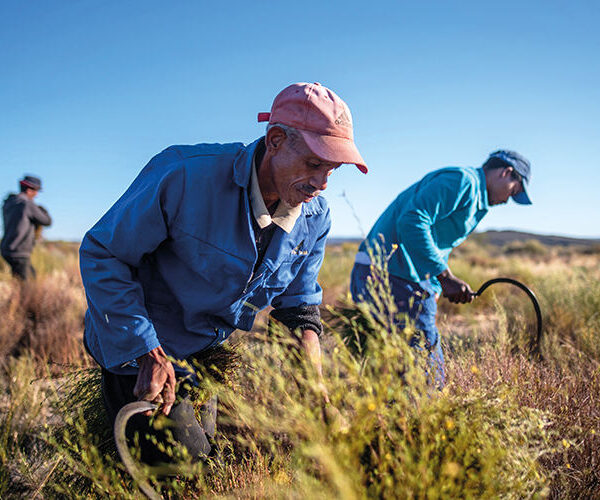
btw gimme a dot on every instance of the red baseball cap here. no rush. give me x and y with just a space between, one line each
323 119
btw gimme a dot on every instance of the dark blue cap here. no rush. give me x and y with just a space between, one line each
521 166
31 182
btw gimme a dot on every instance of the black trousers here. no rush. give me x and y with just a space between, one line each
182 427
21 267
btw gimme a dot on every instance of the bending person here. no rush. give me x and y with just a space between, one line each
422 226
204 238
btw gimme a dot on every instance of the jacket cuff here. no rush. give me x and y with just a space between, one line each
303 317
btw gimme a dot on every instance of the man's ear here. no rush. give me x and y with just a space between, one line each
507 171
275 138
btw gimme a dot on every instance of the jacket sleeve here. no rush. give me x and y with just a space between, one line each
442 195
38 215
304 289
110 253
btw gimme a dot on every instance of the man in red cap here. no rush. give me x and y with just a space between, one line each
22 217
204 238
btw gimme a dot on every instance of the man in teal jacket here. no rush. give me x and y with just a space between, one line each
206 236
422 226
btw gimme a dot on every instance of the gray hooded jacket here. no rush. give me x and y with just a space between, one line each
21 216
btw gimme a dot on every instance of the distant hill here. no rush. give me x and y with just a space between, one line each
338 241
501 238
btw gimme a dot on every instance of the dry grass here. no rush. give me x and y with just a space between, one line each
571 400
44 317
506 426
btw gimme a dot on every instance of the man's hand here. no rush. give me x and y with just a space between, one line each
455 289
312 348
156 379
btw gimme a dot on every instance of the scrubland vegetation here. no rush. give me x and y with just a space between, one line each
508 424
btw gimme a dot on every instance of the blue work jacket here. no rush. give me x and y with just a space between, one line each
428 220
171 263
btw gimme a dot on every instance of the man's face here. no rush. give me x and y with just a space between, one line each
297 174
502 184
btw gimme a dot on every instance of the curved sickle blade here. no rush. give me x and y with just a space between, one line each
530 294
125 413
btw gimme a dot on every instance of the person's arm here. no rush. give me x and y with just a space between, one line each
312 350
298 306
109 255
307 319
38 215
437 198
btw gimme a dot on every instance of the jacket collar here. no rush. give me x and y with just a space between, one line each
242 166
313 207
482 202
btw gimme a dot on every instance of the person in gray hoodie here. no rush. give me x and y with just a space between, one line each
22 218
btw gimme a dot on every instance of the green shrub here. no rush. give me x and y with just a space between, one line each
533 248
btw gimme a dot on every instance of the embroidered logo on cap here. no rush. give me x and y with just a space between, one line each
344 119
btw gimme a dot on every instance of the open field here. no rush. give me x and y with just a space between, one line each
508 424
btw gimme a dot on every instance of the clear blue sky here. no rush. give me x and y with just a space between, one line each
90 90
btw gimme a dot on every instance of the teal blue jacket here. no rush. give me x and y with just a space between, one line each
428 220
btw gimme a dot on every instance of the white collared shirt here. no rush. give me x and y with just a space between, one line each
285 216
